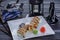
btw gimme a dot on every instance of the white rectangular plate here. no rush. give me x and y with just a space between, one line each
14 26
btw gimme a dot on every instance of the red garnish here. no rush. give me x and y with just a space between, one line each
42 29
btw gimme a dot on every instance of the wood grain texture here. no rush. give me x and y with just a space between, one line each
46 6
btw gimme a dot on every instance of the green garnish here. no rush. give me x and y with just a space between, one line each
35 31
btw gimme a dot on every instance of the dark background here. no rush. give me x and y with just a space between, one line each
56 27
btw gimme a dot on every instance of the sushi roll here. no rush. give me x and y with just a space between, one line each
22 31
35 21
36 18
30 27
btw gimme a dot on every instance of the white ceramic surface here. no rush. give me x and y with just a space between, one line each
14 25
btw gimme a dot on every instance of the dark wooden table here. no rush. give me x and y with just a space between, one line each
56 28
